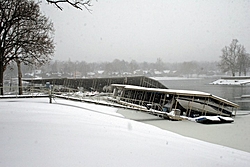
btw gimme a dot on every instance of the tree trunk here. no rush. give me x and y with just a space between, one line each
1 77
233 72
245 72
240 70
20 86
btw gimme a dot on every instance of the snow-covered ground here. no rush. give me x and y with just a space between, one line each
68 133
173 78
231 82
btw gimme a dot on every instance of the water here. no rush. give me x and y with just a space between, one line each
229 92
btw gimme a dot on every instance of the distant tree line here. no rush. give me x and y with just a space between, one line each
120 68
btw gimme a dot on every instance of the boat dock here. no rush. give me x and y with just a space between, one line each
190 103
144 94
97 84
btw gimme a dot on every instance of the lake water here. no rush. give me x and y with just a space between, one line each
229 92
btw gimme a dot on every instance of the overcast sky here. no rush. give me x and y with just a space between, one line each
144 30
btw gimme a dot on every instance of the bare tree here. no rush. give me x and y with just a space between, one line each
78 4
231 57
26 36
243 63
159 64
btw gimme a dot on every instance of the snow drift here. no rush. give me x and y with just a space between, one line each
66 133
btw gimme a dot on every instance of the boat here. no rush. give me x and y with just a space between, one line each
213 119
203 107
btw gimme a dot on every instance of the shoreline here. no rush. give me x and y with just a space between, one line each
234 135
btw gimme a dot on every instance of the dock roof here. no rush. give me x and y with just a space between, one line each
190 93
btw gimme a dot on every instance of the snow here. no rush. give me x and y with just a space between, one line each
174 78
189 92
69 133
231 82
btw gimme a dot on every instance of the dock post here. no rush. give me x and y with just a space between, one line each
50 96
48 86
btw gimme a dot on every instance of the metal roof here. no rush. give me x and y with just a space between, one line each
178 92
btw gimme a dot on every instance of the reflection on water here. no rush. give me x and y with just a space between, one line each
228 92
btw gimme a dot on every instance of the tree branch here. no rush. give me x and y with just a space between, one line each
78 4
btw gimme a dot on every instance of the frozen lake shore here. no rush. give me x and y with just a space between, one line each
234 135
68 133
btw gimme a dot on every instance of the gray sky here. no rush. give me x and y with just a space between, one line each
144 30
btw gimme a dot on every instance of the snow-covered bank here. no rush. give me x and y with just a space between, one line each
67 133
222 81
173 78
237 82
